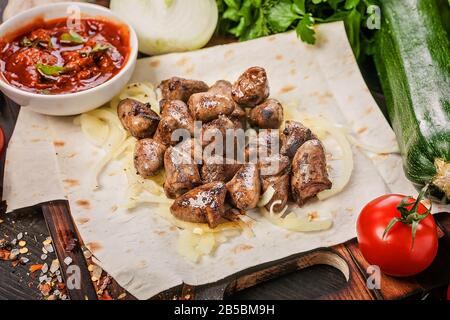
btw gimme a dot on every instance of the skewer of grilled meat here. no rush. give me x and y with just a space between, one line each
149 157
174 115
268 115
182 172
252 88
204 204
309 169
181 89
138 118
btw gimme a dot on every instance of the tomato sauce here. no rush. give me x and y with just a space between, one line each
51 58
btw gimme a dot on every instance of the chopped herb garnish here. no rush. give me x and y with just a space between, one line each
72 37
50 71
26 42
99 47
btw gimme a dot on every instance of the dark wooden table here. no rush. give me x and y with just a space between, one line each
15 282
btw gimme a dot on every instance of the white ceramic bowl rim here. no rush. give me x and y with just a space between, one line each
8 25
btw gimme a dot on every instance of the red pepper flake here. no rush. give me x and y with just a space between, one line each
36 267
45 289
106 296
4 255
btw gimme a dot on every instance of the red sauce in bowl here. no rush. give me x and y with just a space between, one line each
48 57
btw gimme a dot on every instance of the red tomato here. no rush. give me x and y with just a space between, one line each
394 253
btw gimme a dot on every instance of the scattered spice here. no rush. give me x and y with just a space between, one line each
23 250
36 267
4 255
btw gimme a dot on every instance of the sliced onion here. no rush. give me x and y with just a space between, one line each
293 222
115 152
376 150
266 197
96 130
272 208
161 28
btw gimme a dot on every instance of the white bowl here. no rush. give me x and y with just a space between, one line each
71 103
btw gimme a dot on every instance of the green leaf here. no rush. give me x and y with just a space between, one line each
305 29
353 26
260 28
300 7
281 16
232 4
50 71
100 47
168 3
334 4
318 1
26 42
350 4
71 37
231 14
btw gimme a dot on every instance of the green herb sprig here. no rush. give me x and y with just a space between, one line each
250 19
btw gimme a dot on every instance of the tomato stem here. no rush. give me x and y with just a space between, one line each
410 216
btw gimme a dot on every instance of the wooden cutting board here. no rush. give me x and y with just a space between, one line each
345 257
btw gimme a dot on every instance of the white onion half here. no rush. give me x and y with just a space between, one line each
169 26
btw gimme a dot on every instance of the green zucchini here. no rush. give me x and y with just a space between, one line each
412 56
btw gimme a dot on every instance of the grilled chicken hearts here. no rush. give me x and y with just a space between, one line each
205 204
310 175
281 186
181 169
208 106
138 118
268 115
245 187
217 128
174 115
149 157
238 116
252 88
181 89
217 168
296 135
222 87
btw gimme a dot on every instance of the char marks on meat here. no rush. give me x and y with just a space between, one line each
268 115
296 135
149 157
181 89
204 204
138 118
182 172
245 187
252 88
174 115
309 169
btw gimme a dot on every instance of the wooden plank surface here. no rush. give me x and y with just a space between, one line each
339 275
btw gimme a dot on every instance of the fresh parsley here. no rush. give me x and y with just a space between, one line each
249 19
